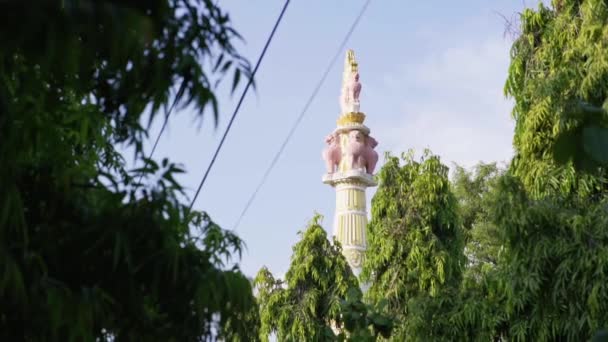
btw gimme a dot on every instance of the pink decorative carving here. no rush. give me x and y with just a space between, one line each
371 156
361 149
351 89
332 154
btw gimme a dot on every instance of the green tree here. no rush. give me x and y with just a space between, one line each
364 322
558 78
553 268
475 191
477 310
320 293
551 211
415 246
86 251
470 188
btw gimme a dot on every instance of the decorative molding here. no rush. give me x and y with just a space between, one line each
350 186
351 212
350 199
354 257
356 177
350 229
351 118
351 127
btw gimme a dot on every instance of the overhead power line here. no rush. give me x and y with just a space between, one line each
162 130
238 106
302 113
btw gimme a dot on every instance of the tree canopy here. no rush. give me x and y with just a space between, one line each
552 208
476 191
553 267
86 251
558 78
320 299
92 251
415 243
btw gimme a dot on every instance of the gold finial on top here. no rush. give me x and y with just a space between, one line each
350 55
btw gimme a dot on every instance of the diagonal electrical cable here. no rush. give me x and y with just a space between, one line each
238 106
301 116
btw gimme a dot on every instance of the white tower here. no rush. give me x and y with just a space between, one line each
350 160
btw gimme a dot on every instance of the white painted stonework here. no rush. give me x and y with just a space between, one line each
350 160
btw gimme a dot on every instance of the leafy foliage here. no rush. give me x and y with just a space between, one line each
543 279
476 310
359 317
86 252
120 55
476 191
554 269
320 299
559 80
415 245
470 188
551 210
477 307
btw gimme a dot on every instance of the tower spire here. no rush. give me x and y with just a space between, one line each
350 160
350 59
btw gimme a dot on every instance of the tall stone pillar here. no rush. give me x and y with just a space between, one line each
350 161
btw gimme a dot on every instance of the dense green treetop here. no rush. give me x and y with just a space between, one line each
476 190
551 211
476 310
415 240
535 269
559 79
553 269
320 299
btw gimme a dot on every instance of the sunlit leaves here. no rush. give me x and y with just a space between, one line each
559 80
319 294
308 303
553 268
476 192
415 240
551 212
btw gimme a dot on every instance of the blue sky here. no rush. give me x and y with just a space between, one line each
432 74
